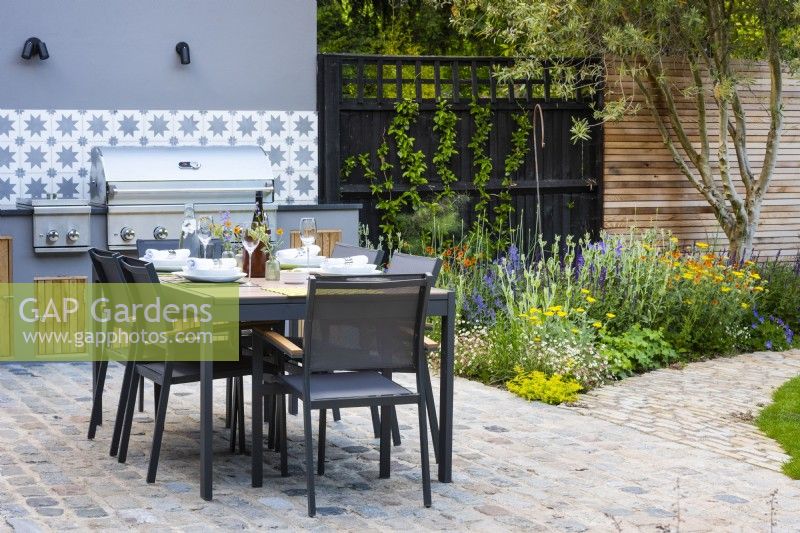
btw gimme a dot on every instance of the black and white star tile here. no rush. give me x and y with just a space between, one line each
45 152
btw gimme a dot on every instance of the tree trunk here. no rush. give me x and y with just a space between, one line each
740 239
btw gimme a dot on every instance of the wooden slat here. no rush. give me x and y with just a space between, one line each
56 289
643 186
326 240
6 259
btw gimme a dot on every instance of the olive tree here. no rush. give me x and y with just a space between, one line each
581 40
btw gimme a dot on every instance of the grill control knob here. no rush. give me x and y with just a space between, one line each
73 235
52 236
160 233
127 234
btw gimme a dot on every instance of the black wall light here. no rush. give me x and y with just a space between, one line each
34 46
183 50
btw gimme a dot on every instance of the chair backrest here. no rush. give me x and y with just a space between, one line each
414 264
349 250
138 271
142 245
106 266
365 323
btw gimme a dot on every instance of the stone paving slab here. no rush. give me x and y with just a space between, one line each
517 466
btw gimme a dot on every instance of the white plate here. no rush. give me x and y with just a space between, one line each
212 272
167 265
219 278
352 270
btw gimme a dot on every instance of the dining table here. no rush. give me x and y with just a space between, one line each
279 301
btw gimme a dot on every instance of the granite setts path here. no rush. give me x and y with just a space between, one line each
672 450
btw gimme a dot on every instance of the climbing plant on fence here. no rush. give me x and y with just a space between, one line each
369 103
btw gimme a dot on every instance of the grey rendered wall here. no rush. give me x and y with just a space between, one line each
112 54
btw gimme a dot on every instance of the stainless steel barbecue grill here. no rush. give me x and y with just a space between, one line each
145 188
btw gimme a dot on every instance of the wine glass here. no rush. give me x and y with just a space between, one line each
250 243
308 234
204 233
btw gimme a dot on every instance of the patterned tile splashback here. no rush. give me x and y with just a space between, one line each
46 152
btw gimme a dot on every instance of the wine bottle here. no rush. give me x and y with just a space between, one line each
188 235
258 212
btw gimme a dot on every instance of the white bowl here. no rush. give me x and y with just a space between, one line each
289 276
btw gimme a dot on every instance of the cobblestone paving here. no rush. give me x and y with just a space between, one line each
708 405
517 465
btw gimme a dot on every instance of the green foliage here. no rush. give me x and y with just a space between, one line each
432 226
520 146
785 302
537 386
414 27
412 168
780 421
444 125
482 116
638 349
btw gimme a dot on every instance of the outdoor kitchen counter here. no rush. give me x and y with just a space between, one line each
27 264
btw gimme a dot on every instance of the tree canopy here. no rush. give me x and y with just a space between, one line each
582 40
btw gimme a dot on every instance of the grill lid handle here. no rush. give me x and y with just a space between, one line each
189 165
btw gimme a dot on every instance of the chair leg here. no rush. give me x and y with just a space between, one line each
141 394
119 421
158 429
386 445
293 405
228 402
156 396
423 450
281 401
395 427
272 407
433 420
376 422
240 411
337 415
95 418
130 406
234 422
312 503
323 414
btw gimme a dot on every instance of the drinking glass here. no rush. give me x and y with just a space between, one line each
204 233
308 234
250 243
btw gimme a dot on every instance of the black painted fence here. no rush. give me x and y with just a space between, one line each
356 100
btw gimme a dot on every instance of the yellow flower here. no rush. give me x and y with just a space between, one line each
548 313
537 339
749 263
719 278
701 245
597 325
647 247
562 314
575 330
725 289
688 275
755 275
579 310
673 240
585 291
534 310
554 308
745 305
759 288
738 274
611 315
590 299
279 231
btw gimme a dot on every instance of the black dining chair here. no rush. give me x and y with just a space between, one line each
357 330
374 256
105 269
165 374
142 245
